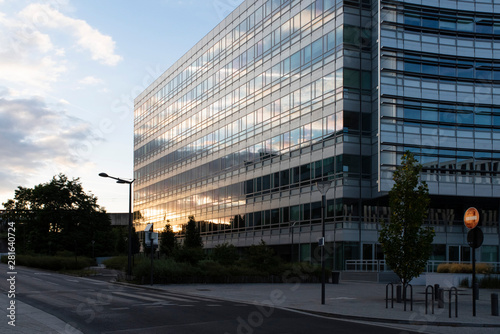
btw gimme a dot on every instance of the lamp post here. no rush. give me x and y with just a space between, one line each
119 180
323 187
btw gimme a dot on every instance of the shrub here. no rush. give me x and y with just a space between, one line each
189 255
262 258
464 283
164 271
117 262
226 254
52 262
302 271
489 282
464 268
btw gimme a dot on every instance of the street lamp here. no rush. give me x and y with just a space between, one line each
119 180
323 187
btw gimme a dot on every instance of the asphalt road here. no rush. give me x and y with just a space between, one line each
94 306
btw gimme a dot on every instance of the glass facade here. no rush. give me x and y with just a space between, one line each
285 93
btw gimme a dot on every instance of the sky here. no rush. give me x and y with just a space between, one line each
69 73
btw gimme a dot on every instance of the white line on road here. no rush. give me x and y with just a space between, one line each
72 280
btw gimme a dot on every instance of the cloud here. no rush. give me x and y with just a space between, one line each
100 46
25 56
35 136
34 46
91 81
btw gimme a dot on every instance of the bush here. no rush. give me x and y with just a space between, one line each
117 262
489 282
164 271
464 268
226 254
189 255
262 258
52 262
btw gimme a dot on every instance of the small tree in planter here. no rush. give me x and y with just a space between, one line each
405 242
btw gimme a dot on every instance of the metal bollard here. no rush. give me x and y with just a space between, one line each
494 304
436 292
441 298
398 294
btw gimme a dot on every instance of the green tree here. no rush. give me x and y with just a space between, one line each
192 238
226 254
136 243
405 242
59 216
167 241
120 235
262 257
192 249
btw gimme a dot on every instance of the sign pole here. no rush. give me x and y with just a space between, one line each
473 250
475 240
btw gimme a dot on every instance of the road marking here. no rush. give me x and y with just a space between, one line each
72 280
51 283
177 299
185 305
93 281
120 308
136 296
213 305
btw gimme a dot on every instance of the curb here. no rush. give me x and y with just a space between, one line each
396 321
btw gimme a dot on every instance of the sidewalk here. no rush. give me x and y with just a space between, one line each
359 301
31 320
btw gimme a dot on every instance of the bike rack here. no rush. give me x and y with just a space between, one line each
454 289
432 298
387 295
411 297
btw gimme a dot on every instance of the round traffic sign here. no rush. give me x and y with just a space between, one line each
471 218
475 237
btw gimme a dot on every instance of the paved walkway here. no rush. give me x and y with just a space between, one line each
359 301
30 320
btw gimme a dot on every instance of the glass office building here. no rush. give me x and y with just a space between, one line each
285 93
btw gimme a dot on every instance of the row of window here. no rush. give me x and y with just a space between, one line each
432 20
340 166
347 163
307 134
445 113
462 69
278 110
311 53
209 58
